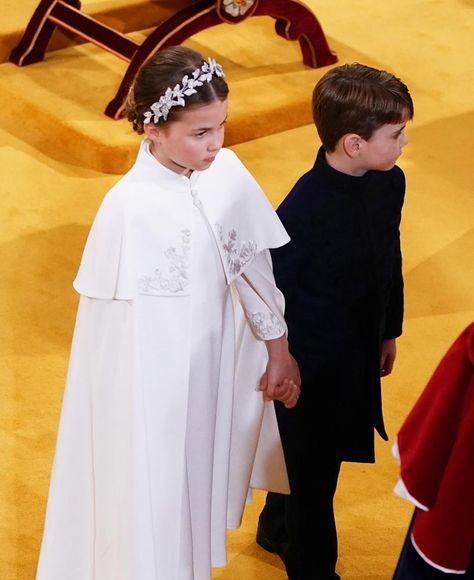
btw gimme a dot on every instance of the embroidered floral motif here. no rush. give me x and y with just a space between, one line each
237 7
266 324
238 255
178 280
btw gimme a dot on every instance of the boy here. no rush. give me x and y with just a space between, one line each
342 280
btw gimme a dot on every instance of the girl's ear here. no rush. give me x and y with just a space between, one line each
153 132
352 144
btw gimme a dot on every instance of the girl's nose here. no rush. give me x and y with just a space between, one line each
216 142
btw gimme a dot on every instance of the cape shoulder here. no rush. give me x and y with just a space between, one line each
102 259
141 236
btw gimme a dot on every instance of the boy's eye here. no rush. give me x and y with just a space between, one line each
200 134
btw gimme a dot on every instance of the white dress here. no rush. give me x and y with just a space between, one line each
162 431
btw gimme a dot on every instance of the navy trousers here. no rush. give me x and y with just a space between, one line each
301 526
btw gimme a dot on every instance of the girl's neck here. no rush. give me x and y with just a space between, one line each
176 168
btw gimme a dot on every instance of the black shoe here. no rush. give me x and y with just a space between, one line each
269 545
264 541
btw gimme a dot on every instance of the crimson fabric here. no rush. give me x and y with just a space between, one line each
436 446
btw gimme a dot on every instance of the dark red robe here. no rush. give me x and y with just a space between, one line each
436 449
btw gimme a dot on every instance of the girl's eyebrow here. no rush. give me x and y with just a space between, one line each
208 128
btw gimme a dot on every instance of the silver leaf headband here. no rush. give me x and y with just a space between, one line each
175 97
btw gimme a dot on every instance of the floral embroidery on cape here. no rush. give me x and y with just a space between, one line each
178 279
238 254
266 324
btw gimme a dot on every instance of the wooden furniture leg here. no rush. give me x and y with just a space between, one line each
294 21
67 14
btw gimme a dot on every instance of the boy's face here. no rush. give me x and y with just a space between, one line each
383 148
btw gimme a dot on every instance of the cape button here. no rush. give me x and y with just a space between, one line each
196 200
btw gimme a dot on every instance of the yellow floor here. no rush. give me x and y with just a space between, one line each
48 202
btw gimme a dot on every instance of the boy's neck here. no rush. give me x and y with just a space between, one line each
341 162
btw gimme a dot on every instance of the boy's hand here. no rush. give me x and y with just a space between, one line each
287 392
282 379
387 358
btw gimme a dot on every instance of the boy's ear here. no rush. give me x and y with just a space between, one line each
352 144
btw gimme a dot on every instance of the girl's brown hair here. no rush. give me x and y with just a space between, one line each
166 69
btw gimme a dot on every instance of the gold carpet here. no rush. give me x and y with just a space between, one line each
49 199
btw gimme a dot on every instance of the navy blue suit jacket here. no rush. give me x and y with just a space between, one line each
342 280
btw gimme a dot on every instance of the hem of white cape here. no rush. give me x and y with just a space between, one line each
219 564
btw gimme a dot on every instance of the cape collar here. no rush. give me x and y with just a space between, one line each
148 167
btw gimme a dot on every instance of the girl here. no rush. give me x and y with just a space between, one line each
162 431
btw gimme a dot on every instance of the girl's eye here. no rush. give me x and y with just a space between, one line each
200 134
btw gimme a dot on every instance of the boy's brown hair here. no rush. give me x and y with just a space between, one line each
355 98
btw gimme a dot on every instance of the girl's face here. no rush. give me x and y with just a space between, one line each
192 142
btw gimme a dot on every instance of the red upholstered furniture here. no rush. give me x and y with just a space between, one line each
294 21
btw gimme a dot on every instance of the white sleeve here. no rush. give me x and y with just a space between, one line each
256 451
261 300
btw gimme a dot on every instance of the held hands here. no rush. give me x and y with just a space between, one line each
281 381
387 358
287 392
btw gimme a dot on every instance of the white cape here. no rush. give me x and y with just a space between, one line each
162 431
